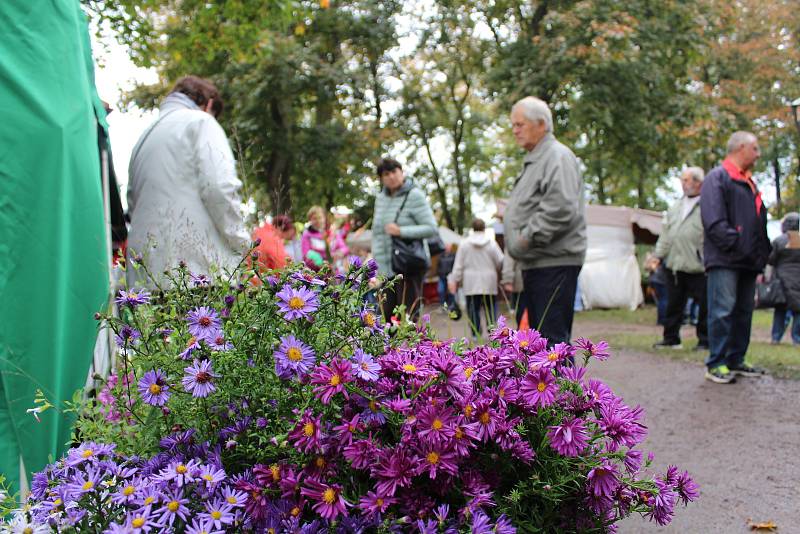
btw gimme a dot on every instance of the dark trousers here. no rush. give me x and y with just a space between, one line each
781 318
407 291
478 306
681 286
731 298
550 300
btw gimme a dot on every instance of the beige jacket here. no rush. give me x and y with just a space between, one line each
477 265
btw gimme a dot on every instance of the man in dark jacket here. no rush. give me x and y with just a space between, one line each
736 248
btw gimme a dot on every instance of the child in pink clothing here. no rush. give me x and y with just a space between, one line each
314 243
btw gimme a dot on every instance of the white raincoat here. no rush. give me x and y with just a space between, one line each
183 195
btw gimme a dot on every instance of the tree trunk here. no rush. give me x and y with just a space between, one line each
776 167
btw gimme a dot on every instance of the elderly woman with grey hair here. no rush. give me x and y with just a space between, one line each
785 257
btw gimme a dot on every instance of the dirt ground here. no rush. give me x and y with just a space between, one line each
739 441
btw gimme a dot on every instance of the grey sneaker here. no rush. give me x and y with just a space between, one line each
748 370
720 375
665 345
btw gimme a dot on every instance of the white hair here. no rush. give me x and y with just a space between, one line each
534 109
740 138
696 173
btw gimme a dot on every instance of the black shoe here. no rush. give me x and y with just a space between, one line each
720 375
666 345
700 347
748 370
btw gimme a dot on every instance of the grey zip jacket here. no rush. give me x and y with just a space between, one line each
545 223
681 241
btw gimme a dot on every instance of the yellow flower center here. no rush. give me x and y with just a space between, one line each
128 491
88 485
149 500
208 477
541 387
320 462
459 433
308 429
364 366
276 472
57 503
231 499
409 368
329 496
484 418
295 511
216 514
173 506
294 354
369 319
87 453
433 457
373 406
270 531
501 393
181 469
335 380
192 341
523 344
437 424
138 522
27 530
553 356
468 371
155 389
468 410
296 303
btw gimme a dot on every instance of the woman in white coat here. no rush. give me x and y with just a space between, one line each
478 263
183 193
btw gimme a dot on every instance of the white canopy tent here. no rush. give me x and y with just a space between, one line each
610 277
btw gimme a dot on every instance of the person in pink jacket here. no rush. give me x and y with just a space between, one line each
314 243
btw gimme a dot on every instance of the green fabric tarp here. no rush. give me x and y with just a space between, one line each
53 255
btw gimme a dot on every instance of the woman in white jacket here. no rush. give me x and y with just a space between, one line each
478 262
183 193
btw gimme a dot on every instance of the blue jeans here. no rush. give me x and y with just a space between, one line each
780 320
731 298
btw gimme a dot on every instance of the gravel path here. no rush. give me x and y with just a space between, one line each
741 442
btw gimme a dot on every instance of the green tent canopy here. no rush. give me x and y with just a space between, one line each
53 242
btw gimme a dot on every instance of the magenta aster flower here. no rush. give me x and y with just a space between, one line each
364 366
296 303
663 503
603 480
395 467
307 434
375 503
153 388
199 379
204 323
330 379
330 503
435 424
538 388
361 453
486 419
132 298
569 438
599 350
530 341
687 489
293 358
437 459
347 429
621 424
633 460
199 280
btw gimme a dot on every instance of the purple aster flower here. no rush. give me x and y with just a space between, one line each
88 452
153 388
480 523
127 336
199 280
360 453
174 506
200 526
569 438
603 480
430 526
663 503
436 424
307 434
621 424
219 343
330 379
437 459
370 319
394 468
687 489
372 268
538 388
211 476
293 358
374 503
234 497
330 503
504 525
142 520
85 481
633 460
307 278
296 303
192 345
204 323
599 351
346 430
364 366
178 439
178 472
132 298
218 513
199 379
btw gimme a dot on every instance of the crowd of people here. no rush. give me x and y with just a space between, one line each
184 205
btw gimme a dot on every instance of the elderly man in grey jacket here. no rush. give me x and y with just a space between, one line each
680 249
544 221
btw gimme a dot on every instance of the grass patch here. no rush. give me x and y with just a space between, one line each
643 316
782 361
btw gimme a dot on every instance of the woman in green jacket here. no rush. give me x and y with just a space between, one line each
414 221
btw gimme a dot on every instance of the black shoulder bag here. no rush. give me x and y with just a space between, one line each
408 255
